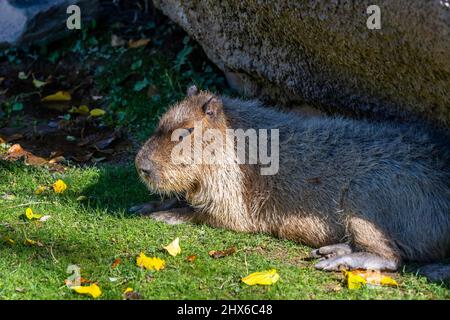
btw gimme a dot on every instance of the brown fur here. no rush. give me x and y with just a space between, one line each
382 188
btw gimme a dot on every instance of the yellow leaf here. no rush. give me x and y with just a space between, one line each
38 84
93 290
32 216
83 109
354 280
97 112
174 247
29 242
8 240
150 263
58 96
264 278
59 186
127 290
388 281
357 278
40 189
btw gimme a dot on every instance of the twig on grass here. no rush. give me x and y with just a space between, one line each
29 203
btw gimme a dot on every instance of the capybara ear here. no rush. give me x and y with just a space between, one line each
212 107
192 91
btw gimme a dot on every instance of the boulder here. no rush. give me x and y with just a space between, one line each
323 54
24 22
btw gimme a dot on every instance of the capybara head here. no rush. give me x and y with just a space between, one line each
160 163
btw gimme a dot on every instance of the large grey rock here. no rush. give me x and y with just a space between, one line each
322 53
23 22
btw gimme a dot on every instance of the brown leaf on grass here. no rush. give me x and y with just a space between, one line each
133 44
16 152
222 253
115 263
191 258
35 161
81 280
99 141
57 159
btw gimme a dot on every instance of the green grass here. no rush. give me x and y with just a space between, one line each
138 85
94 232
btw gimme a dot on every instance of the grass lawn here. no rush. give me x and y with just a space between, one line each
94 232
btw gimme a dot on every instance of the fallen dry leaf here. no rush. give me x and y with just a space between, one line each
58 96
115 263
358 278
38 84
29 242
263 278
59 186
150 263
32 160
44 218
78 281
133 44
40 190
116 41
83 109
56 159
23 76
97 112
93 290
130 294
173 248
191 258
15 152
222 253
8 240
30 215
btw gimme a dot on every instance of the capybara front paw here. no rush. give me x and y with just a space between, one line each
169 217
144 209
357 260
331 251
154 206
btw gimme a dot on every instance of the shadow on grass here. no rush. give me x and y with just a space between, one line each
117 189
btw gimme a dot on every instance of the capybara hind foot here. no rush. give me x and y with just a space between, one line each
154 206
331 251
435 272
174 216
357 260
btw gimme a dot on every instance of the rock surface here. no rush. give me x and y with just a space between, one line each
323 54
23 22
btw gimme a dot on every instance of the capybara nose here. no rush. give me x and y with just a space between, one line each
147 172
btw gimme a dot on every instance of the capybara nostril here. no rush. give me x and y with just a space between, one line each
147 172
